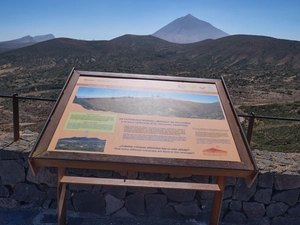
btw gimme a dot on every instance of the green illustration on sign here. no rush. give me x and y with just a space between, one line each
91 122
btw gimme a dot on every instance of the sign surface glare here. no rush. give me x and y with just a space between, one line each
146 118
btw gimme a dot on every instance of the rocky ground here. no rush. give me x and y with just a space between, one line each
288 163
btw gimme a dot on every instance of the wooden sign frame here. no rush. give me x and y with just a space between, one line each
235 160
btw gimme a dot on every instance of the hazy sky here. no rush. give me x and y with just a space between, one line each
107 19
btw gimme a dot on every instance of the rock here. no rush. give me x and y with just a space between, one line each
89 202
8 139
132 175
22 144
284 162
46 175
113 204
120 174
277 209
135 204
25 156
12 148
294 211
80 187
291 172
97 187
225 204
4 192
213 179
53 205
207 194
28 193
242 192
69 205
9 203
228 192
143 191
117 191
266 162
80 172
254 210
153 176
169 212
286 182
265 179
46 204
204 217
263 196
155 204
27 132
29 138
234 217
230 181
180 195
123 213
235 205
102 173
206 205
289 197
174 175
200 179
52 194
11 152
187 208
12 171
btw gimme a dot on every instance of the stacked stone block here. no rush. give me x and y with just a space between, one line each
272 199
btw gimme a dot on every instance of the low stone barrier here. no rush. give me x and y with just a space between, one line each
272 199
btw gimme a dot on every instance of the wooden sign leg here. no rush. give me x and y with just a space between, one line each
61 192
217 204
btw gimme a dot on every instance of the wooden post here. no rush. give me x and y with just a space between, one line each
16 122
250 127
61 192
217 204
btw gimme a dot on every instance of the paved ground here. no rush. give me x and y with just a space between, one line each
37 216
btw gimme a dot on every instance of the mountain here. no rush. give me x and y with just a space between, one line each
41 38
188 29
256 69
23 42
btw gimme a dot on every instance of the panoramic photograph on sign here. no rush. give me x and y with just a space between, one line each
145 118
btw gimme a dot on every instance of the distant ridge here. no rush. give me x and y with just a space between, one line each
24 42
255 67
189 29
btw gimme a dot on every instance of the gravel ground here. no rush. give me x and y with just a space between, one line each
37 216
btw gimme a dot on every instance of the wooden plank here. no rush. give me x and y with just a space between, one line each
139 183
147 168
217 203
61 192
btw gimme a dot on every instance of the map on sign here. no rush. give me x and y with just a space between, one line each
147 118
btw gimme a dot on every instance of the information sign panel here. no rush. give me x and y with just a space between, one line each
144 120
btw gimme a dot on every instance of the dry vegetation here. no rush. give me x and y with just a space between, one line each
257 70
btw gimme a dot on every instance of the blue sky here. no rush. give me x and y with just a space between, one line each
90 92
107 19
